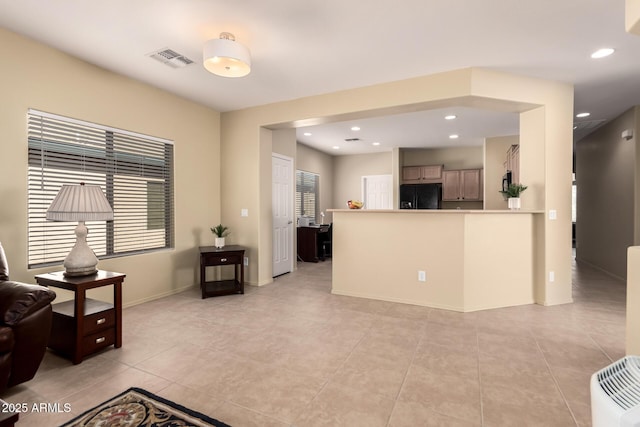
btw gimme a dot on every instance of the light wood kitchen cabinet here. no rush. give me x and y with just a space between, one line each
462 185
422 174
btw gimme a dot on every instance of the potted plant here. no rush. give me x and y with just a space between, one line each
221 231
512 194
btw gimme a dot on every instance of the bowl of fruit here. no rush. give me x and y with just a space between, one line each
355 204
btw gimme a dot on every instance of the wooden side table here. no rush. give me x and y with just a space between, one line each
210 256
84 326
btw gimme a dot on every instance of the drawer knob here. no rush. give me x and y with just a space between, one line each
100 321
99 340
223 259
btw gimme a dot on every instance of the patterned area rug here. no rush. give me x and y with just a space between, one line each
139 408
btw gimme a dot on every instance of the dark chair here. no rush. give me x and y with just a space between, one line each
25 325
326 241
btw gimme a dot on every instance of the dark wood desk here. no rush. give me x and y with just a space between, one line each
310 242
210 256
84 326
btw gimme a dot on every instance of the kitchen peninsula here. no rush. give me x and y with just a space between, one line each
471 259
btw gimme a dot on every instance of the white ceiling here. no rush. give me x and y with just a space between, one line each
302 48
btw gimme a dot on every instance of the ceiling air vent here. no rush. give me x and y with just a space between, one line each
584 128
352 139
588 125
171 58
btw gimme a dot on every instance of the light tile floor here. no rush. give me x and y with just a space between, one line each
292 354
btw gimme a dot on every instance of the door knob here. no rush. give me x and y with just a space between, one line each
289 222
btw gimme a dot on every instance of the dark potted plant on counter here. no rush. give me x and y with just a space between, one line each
221 231
512 194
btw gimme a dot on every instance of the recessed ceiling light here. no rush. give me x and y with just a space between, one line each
355 128
335 147
454 136
581 115
601 53
307 134
450 117
375 143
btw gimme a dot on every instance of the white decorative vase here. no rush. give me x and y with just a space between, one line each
514 203
219 242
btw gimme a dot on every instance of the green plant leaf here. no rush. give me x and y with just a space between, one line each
220 230
514 190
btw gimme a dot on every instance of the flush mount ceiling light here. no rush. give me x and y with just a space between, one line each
225 57
601 53
582 115
450 117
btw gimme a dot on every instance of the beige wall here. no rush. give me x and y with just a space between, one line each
605 179
348 173
546 113
495 154
451 158
633 300
472 261
310 160
48 80
284 142
636 141
632 16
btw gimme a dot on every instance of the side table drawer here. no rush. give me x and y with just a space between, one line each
99 321
94 342
217 259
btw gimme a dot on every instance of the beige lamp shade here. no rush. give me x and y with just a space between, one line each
80 203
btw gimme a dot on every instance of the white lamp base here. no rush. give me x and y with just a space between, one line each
81 261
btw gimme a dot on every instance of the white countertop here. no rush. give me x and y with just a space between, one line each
438 211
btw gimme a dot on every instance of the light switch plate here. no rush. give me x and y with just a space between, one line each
244 212
553 214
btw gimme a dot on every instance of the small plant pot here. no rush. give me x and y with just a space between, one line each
514 203
219 242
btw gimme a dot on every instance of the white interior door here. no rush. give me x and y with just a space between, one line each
377 192
282 206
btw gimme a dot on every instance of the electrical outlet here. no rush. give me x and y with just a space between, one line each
422 276
246 261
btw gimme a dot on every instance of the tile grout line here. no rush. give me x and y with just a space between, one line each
555 381
413 357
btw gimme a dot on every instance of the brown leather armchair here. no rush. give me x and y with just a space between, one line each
25 325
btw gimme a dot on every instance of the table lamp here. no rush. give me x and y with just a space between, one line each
80 203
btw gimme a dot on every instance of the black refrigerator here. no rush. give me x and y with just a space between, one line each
420 196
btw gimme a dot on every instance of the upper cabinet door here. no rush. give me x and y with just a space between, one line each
422 174
451 185
471 184
411 175
459 185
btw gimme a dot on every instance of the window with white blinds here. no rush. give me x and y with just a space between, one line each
306 194
135 172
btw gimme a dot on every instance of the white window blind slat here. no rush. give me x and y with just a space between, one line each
307 198
135 172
